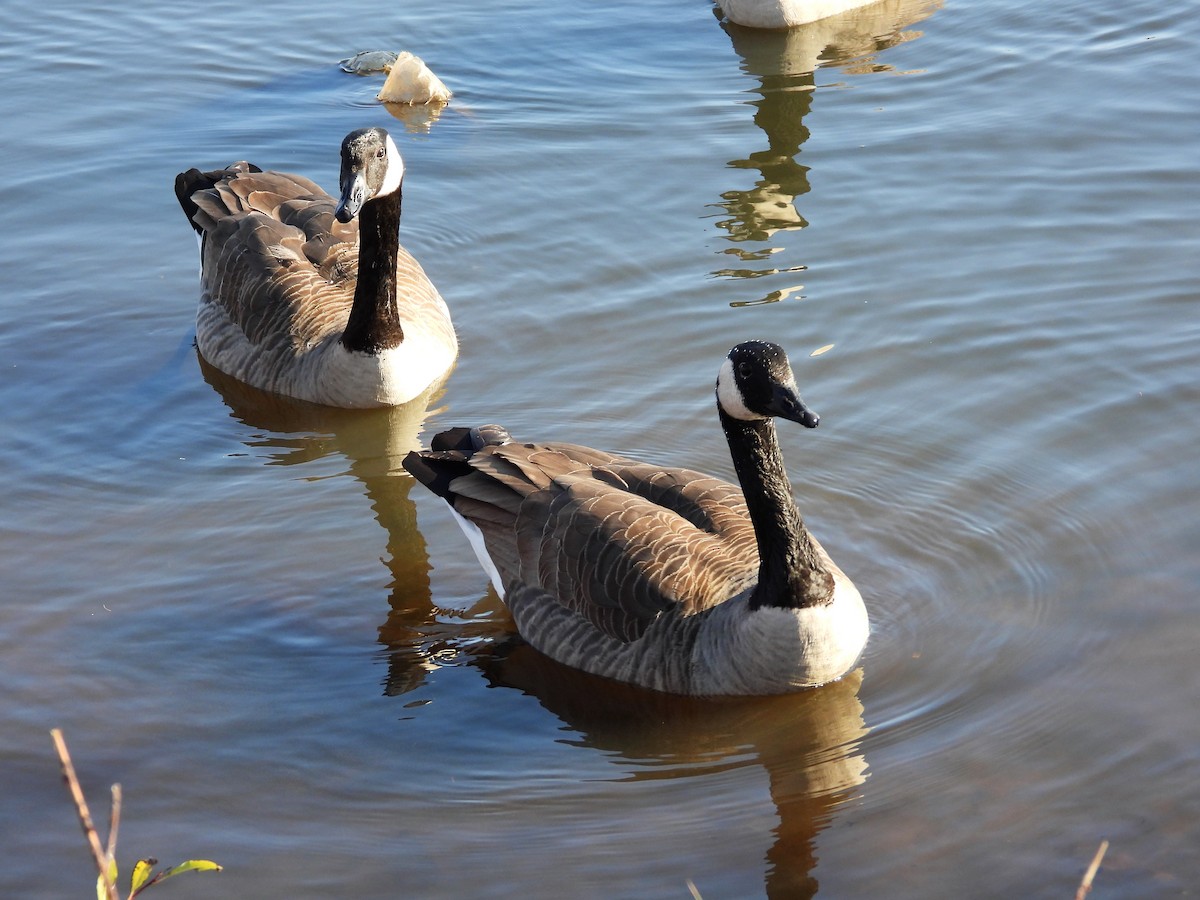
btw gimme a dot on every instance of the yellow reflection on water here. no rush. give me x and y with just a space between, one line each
784 62
808 744
373 442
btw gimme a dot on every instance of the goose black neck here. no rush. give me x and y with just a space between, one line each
791 573
374 322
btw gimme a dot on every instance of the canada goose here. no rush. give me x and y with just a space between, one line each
294 302
661 577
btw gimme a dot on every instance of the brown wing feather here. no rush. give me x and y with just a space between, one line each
272 244
275 257
257 269
616 541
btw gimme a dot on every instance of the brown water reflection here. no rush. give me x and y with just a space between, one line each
373 442
807 743
417 118
784 62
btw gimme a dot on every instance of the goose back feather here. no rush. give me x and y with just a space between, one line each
280 279
641 573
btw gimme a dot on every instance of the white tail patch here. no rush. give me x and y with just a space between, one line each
200 245
475 537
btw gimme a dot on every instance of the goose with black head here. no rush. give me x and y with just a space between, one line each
661 577
312 297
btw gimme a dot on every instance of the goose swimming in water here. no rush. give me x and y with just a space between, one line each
313 297
661 577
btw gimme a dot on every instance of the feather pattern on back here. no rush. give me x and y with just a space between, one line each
621 557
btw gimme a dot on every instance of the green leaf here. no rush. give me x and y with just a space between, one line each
101 887
192 865
141 871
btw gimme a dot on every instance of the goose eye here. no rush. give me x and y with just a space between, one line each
380 153
744 369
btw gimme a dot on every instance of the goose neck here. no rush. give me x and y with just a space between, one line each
374 323
791 572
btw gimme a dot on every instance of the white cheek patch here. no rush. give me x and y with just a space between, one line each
730 398
395 170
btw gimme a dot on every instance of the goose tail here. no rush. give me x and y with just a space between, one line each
470 440
449 454
484 505
193 180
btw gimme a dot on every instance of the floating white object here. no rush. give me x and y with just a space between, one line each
410 81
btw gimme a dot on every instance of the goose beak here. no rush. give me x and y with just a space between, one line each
354 194
786 404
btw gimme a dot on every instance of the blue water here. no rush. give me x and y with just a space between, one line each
237 608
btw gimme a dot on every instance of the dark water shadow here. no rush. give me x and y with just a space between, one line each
785 63
807 743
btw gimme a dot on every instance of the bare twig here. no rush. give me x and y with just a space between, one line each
85 816
114 822
1086 884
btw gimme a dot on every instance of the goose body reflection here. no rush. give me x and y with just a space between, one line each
661 577
373 443
808 744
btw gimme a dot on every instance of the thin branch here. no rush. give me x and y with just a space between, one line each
114 822
81 807
1086 884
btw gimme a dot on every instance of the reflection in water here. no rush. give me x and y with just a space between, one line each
808 743
784 63
373 441
418 118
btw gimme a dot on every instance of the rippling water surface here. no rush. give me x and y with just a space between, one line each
237 607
